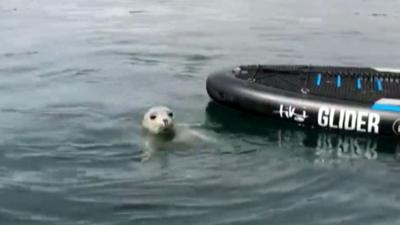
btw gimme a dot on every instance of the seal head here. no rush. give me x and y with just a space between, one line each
159 120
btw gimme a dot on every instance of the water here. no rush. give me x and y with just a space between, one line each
76 77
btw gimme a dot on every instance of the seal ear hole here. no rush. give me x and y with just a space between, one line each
153 117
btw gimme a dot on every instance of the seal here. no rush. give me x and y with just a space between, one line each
161 132
159 120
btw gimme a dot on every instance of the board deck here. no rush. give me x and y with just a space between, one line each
357 99
364 85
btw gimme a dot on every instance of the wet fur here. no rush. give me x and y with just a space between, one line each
175 137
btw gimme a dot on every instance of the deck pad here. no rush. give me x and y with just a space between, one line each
364 85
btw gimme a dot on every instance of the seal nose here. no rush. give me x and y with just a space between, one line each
165 122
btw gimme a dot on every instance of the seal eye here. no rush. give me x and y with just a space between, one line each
170 114
153 117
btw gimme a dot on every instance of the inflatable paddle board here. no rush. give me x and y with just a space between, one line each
365 100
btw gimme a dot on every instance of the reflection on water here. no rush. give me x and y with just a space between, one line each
318 145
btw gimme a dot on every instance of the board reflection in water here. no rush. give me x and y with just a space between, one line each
315 144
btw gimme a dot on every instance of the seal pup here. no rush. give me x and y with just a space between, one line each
161 132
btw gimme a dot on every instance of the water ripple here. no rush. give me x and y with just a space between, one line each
76 78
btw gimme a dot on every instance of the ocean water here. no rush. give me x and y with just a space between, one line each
77 76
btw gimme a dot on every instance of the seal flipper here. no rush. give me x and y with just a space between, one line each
148 150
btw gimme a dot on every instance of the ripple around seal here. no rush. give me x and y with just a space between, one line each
11 216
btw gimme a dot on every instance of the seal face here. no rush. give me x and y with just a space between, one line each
159 120
160 132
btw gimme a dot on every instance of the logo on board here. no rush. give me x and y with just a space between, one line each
396 127
291 112
351 120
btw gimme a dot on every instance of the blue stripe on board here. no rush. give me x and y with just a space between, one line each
383 107
338 81
318 80
358 83
378 84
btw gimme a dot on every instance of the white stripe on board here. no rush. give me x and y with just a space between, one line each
388 101
390 70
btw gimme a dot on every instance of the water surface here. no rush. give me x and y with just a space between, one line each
76 77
